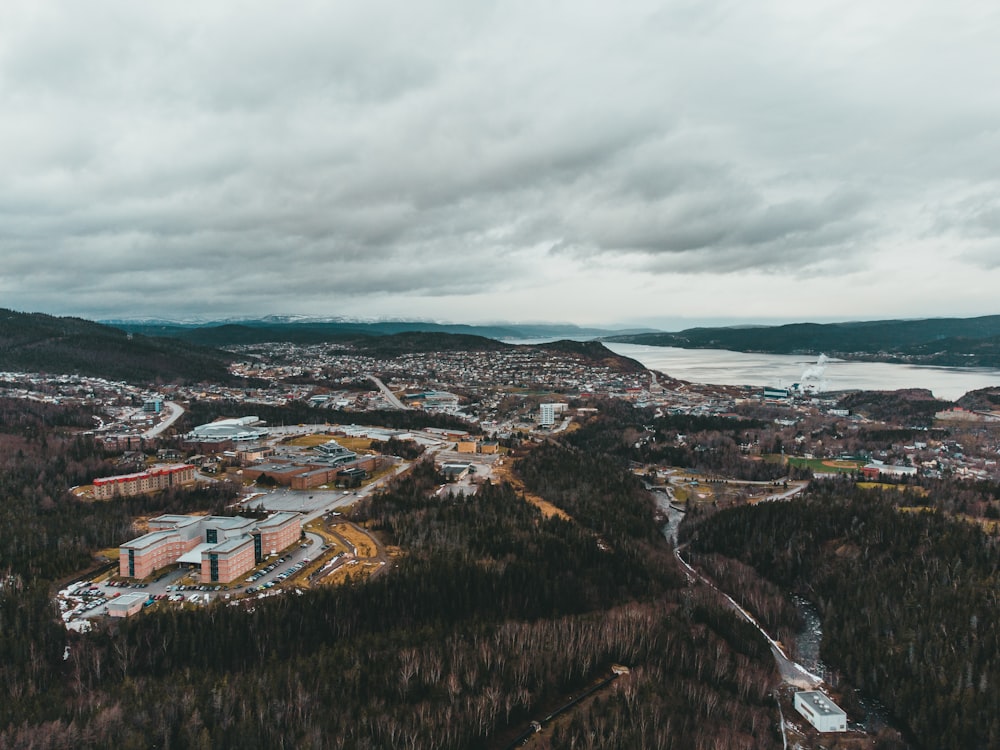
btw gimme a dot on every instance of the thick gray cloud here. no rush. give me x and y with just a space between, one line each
481 160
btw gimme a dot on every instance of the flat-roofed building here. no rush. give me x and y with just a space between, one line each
547 413
469 445
237 543
228 560
127 605
820 711
279 473
140 557
877 469
155 478
252 454
317 473
453 471
279 531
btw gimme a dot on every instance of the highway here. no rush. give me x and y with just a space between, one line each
175 410
389 395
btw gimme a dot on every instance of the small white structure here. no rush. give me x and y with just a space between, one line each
127 605
820 711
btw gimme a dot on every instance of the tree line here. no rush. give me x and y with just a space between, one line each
908 600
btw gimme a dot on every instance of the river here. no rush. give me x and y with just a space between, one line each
807 662
721 367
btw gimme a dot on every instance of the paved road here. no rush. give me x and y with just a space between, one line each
787 494
175 410
389 395
791 671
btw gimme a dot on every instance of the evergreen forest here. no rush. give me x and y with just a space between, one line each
908 597
491 616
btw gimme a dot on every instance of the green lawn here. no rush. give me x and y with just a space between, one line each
826 465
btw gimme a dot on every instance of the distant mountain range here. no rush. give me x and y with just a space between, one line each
304 330
168 351
35 342
942 342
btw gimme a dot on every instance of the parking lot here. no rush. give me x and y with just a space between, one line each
91 599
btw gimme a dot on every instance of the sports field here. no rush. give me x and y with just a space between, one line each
827 465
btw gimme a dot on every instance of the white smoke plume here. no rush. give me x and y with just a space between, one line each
812 377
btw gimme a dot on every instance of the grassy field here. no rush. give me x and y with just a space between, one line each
365 544
357 571
922 491
502 473
826 465
357 445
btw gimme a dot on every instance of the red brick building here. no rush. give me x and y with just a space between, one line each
279 531
223 547
155 478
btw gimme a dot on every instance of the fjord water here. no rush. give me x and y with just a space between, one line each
721 367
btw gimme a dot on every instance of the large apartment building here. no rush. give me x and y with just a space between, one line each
155 478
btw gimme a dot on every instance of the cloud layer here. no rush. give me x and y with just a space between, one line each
478 161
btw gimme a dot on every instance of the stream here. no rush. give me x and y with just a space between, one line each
807 641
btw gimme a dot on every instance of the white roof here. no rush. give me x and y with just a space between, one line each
820 702
193 556
127 600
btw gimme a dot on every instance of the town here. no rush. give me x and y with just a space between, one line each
309 434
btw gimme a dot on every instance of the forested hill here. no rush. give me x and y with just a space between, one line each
596 353
966 342
908 600
34 342
490 616
383 340
309 331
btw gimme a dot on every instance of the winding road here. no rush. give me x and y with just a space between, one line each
175 410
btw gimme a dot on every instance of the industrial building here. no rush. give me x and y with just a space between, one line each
223 547
475 445
820 711
433 401
454 470
155 478
877 469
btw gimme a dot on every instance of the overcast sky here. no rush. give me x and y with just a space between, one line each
600 163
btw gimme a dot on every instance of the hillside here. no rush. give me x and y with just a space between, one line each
34 342
311 331
379 340
909 406
596 353
952 342
417 342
